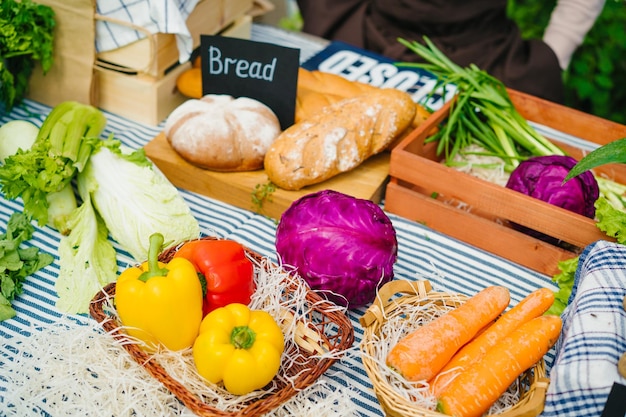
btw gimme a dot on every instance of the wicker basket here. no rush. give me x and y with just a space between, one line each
325 328
533 383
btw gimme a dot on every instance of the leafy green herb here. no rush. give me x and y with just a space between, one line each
26 36
68 136
17 263
481 113
262 193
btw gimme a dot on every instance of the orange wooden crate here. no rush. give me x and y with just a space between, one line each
417 176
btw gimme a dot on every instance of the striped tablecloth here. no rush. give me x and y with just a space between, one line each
593 336
448 264
423 254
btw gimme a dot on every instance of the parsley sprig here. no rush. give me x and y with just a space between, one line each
26 37
17 262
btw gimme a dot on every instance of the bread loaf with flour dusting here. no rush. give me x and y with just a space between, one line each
339 138
222 133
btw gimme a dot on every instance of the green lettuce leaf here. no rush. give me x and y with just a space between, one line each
611 220
565 281
88 261
135 200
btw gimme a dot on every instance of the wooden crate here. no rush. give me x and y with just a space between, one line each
145 98
157 53
367 181
478 212
142 98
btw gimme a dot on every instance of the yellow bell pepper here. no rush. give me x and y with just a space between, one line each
160 304
240 347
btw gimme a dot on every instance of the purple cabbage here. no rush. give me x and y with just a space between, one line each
542 177
339 244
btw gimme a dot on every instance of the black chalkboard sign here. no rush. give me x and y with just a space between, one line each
243 68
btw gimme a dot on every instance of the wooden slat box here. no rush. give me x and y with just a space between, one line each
478 212
157 53
145 98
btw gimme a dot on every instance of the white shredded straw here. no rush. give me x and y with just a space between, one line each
73 367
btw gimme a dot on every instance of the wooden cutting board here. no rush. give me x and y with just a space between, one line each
366 181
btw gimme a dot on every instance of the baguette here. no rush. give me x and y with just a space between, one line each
310 102
339 138
317 89
327 83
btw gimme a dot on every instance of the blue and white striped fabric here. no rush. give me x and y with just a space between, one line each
450 265
155 16
593 336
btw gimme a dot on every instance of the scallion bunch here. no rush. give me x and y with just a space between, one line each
481 112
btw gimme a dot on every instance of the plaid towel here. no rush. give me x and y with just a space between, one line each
593 336
156 16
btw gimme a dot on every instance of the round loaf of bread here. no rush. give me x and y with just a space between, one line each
222 133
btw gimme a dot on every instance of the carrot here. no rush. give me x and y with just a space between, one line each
421 354
477 388
533 305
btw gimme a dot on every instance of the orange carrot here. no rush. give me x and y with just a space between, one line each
421 354
477 388
533 305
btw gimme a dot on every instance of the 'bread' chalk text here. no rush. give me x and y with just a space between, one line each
240 67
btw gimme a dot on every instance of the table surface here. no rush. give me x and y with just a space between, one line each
448 264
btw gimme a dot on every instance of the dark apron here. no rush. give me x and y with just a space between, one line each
467 32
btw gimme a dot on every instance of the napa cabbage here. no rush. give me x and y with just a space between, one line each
136 200
123 197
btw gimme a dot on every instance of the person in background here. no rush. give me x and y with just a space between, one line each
467 32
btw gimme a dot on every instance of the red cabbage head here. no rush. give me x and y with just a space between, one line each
542 177
342 246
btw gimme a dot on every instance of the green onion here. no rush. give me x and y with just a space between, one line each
481 113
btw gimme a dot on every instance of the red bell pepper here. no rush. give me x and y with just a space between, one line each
228 272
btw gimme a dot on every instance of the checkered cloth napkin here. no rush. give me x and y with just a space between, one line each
156 16
593 336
